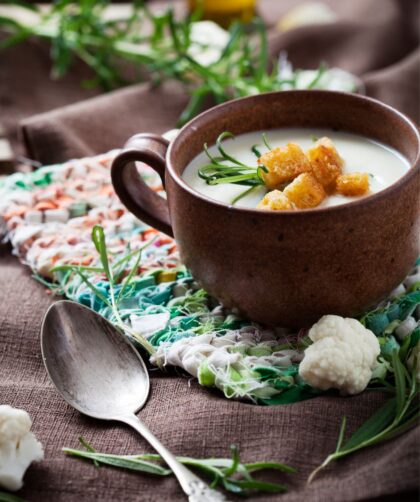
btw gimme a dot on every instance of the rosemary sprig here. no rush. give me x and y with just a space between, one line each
232 474
111 273
224 168
157 44
396 416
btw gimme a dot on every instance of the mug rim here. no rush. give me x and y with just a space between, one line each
406 178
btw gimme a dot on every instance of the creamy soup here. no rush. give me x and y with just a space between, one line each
383 164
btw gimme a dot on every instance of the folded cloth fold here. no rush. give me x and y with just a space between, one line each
103 122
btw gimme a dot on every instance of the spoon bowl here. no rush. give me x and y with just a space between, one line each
100 373
94 368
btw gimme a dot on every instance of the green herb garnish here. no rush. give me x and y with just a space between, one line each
112 275
266 142
232 474
158 45
226 169
223 168
398 414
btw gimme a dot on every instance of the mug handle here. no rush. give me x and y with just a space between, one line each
134 193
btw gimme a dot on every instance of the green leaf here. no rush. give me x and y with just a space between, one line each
194 106
405 425
341 434
121 461
88 447
133 272
93 288
12 23
235 461
223 153
405 347
8 497
241 486
98 238
255 151
400 382
262 466
263 49
321 70
231 473
75 268
243 194
415 337
265 140
375 424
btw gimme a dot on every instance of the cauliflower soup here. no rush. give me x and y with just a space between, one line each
294 169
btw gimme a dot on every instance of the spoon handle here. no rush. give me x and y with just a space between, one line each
193 486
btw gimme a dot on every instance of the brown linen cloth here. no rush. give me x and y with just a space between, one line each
192 420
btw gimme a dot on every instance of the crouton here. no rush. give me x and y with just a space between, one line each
275 201
326 163
353 184
284 164
305 191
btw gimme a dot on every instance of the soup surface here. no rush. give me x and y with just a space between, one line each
383 164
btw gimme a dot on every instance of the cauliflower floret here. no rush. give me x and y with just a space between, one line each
352 184
276 201
284 164
326 163
343 355
18 446
305 191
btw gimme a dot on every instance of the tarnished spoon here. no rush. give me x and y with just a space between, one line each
101 374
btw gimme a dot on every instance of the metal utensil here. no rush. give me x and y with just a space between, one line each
101 374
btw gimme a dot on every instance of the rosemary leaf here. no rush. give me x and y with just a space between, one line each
122 461
98 238
8 497
397 415
232 474
373 426
265 140
156 44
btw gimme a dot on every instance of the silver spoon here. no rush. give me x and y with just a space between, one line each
98 372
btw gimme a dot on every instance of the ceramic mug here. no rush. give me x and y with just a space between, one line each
284 268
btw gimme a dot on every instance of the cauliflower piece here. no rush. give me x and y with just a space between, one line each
326 163
343 355
284 164
18 446
276 201
352 184
305 191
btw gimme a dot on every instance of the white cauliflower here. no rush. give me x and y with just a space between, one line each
18 446
208 40
343 355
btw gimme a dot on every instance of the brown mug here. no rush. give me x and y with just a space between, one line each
284 268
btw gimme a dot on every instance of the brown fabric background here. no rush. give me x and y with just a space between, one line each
376 39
